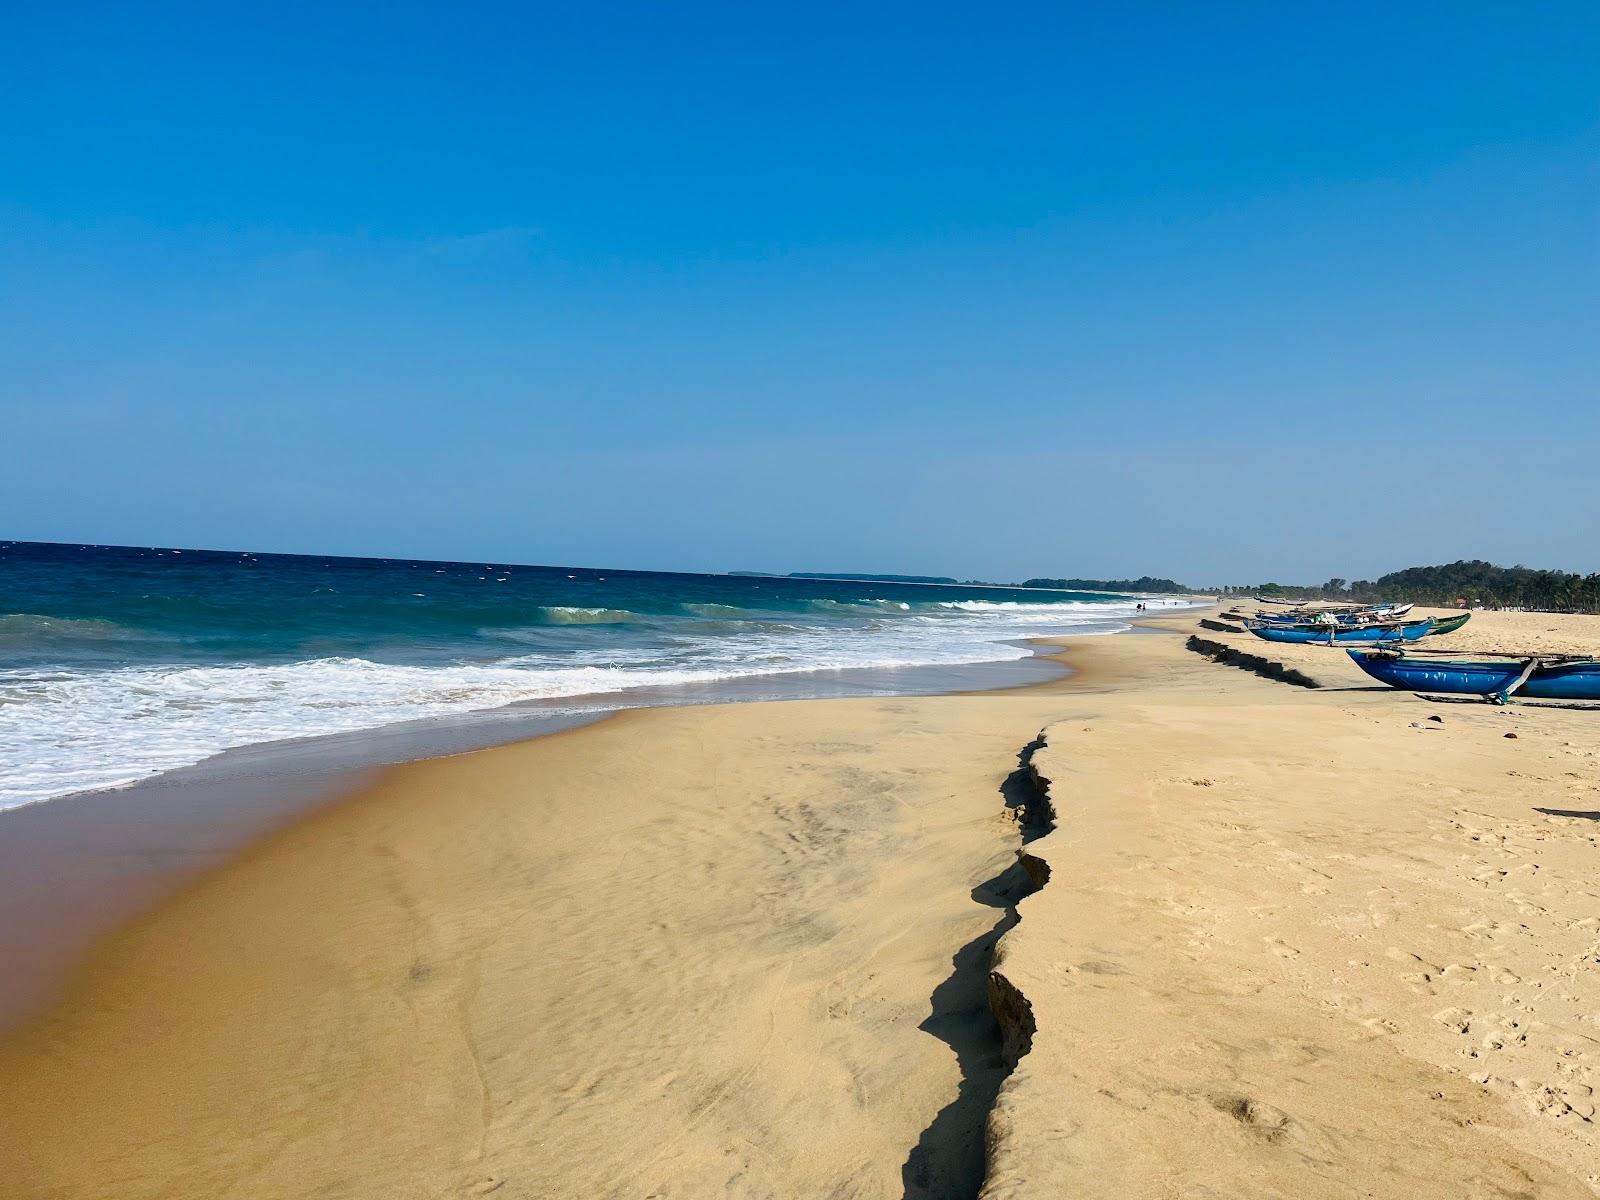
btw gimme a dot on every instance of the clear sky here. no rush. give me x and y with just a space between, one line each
1226 292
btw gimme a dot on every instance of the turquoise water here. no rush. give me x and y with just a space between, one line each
116 663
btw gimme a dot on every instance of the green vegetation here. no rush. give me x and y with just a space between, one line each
1471 581
871 578
1146 583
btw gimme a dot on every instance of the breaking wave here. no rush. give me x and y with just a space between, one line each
563 615
201 658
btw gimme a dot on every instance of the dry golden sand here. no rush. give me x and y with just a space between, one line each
1309 943
1294 942
1541 633
680 953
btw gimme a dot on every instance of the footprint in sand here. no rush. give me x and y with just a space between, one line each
1267 1122
1524 905
1489 931
1423 975
1509 1033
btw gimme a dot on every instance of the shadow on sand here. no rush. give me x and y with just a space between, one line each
947 1162
1518 701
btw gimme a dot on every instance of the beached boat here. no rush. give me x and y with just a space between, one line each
1539 678
1317 634
1448 624
1357 616
1392 610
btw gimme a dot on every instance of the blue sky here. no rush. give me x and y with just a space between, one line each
1057 289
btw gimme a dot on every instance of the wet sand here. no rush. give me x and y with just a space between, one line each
76 868
680 952
1292 941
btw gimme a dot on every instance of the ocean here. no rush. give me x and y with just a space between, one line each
117 663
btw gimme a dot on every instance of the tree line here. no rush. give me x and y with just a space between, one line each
1146 583
1469 581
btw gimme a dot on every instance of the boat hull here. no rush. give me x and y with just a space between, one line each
1559 681
1341 634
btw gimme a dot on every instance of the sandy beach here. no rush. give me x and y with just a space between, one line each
1290 940
667 603
1314 942
681 952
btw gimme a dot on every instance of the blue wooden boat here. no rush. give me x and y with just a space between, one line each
1326 635
1540 679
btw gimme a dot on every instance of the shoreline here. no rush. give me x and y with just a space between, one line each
120 689
74 868
744 950
413 739
168 1010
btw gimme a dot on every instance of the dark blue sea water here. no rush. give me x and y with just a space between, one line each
119 662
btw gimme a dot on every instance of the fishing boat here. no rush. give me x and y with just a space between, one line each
1539 677
1392 610
1448 624
1329 634
1357 616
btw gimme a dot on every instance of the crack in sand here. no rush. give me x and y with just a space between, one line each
1037 818
978 1015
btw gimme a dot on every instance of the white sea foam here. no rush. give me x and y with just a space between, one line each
1036 614
71 730
716 610
868 605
